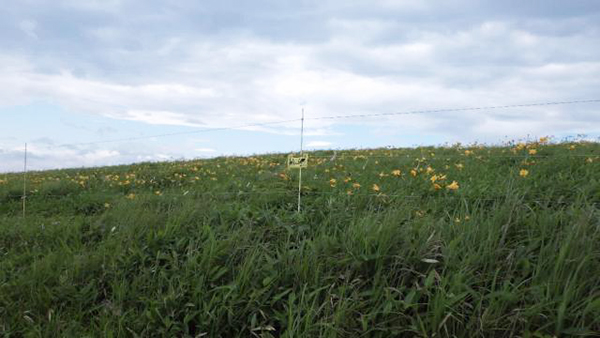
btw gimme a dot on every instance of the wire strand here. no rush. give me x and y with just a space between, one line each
445 110
173 134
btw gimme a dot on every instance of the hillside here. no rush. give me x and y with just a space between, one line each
445 241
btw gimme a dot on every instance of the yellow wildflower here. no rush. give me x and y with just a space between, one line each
430 170
413 172
544 140
158 193
532 151
453 186
588 160
130 196
468 152
437 186
460 166
356 185
397 172
347 179
349 192
524 172
572 147
106 205
332 182
375 188
434 178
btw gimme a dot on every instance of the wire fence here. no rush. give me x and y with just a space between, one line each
332 156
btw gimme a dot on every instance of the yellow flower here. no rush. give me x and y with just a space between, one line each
420 213
572 147
356 185
349 192
332 182
383 175
532 151
347 179
437 186
467 218
430 170
544 140
158 193
460 166
413 172
453 186
130 196
524 172
588 160
397 172
375 188
468 152
433 178
106 205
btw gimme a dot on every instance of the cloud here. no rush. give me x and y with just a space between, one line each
206 150
29 28
159 117
318 144
228 63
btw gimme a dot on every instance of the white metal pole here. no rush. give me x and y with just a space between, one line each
24 179
300 172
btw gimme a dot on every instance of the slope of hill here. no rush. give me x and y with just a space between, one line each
454 241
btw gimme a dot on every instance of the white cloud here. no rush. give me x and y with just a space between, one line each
99 155
29 27
159 117
206 150
318 144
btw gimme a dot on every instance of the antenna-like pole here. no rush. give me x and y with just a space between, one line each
300 172
24 179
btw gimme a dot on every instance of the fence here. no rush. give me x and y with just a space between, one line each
323 158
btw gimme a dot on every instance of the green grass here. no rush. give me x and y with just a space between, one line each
215 248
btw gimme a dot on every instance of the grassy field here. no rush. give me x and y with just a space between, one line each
446 241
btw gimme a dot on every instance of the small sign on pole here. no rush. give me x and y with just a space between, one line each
297 162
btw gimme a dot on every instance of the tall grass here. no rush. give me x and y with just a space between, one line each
164 253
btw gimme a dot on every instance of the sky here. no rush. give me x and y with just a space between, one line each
89 83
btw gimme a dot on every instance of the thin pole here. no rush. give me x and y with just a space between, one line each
24 179
300 172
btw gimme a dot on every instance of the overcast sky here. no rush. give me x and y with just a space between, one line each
74 72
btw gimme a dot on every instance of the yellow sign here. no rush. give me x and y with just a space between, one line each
298 162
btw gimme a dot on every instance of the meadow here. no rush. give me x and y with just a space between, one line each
452 241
